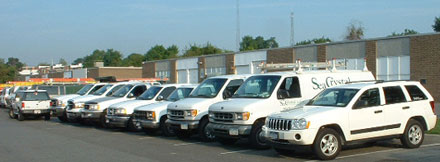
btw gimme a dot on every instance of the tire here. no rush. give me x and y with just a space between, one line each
205 134
131 126
183 134
283 151
20 116
63 118
327 144
255 138
226 141
11 114
414 134
166 131
102 120
47 117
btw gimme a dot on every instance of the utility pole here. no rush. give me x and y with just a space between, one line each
237 41
292 41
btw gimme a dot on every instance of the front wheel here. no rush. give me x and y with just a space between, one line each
256 138
131 126
327 144
11 114
20 116
414 135
63 117
166 130
205 134
103 120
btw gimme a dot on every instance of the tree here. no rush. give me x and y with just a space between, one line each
97 55
249 43
355 31
43 64
78 60
62 61
112 58
198 50
159 52
405 32
315 41
436 26
15 62
133 59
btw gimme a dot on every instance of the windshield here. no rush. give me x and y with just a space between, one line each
209 88
333 97
257 87
122 91
101 90
113 90
35 96
150 93
84 89
179 93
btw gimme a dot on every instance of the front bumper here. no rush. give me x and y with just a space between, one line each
91 115
117 121
229 130
73 115
291 137
147 123
36 111
58 111
182 124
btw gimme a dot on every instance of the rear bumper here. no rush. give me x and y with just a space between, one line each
36 111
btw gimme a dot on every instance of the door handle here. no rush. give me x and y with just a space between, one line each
405 107
378 111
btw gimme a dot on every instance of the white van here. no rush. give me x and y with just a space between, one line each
190 115
244 114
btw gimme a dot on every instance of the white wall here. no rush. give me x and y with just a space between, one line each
243 60
393 68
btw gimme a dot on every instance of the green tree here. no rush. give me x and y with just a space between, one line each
355 31
436 26
198 50
315 41
62 61
133 59
405 32
97 55
159 52
249 43
112 58
15 62
78 60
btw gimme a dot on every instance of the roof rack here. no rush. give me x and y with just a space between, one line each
376 81
298 66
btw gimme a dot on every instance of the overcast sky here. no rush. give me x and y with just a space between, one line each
39 31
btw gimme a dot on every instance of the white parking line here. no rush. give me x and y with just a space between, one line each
145 138
116 133
184 144
232 152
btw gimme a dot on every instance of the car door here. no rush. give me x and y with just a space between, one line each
396 103
289 93
366 117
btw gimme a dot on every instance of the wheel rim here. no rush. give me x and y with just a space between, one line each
209 134
415 134
260 138
329 144
11 113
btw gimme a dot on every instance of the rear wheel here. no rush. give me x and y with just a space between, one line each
414 135
102 120
131 126
11 114
327 144
166 130
63 117
205 134
256 137
226 141
20 116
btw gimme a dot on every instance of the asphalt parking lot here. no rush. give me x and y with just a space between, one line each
39 140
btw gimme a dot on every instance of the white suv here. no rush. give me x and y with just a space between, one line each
30 103
352 113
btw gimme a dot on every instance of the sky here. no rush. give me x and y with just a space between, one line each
39 31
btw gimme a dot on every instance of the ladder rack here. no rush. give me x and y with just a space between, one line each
298 66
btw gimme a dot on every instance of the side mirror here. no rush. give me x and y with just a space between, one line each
159 98
282 94
227 94
130 95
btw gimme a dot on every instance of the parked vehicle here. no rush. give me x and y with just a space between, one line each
3 96
74 105
30 103
59 103
96 110
152 117
190 115
120 114
244 114
354 113
12 91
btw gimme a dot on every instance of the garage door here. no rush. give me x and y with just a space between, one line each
182 76
242 69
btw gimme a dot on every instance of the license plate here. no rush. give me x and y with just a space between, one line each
37 111
273 135
233 132
183 126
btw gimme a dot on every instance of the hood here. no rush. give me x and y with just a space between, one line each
82 99
192 103
131 104
66 97
237 105
99 100
155 106
306 112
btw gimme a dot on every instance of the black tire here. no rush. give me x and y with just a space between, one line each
102 121
226 141
11 114
182 134
20 116
63 117
325 138
414 134
256 138
283 151
131 126
205 134
47 117
166 131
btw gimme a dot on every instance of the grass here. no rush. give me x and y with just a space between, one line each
436 129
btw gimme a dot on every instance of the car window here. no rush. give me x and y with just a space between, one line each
291 85
137 91
393 95
257 87
179 94
209 88
369 98
101 90
415 93
150 93
333 97
35 96
121 92
232 87
167 91
113 90
94 89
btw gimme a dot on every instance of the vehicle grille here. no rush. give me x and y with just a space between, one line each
176 114
111 111
87 107
140 115
280 124
70 105
224 117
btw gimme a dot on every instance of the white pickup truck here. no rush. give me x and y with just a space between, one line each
59 103
153 116
30 103
120 114
244 114
354 113
96 110
190 115
74 105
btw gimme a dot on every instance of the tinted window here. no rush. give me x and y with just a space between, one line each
84 89
415 93
369 98
121 92
113 90
257 87
394 95
137 91
179 94
167 91
102 89
209 88
150 93
95 89
35 96
291 85
333 97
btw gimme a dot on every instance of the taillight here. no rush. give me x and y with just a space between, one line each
432 106
51 104
22 105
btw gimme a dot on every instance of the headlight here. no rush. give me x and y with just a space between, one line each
191 113
151 115
121 111
79 105
94 107
211 114
242 116
300 124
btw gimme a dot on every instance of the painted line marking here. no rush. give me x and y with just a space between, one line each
184 144
145 138
232 152
116 133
